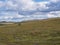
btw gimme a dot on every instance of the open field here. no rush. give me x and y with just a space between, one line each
39 32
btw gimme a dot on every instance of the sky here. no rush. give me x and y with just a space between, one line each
21 10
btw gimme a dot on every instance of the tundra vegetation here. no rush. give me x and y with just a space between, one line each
39 32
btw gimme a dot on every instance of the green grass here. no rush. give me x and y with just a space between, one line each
39 32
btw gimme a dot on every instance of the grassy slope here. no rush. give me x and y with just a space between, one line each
44 32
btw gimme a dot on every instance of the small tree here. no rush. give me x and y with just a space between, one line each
19 24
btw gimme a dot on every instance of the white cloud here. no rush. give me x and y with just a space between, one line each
25 5
29 5
42 5
11 5
55 1
53 14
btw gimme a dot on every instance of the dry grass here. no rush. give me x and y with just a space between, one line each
44 32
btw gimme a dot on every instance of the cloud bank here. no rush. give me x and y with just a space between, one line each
19 10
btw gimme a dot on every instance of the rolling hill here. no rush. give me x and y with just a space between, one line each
38 32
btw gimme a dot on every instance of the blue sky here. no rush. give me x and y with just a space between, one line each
20 10
39 0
